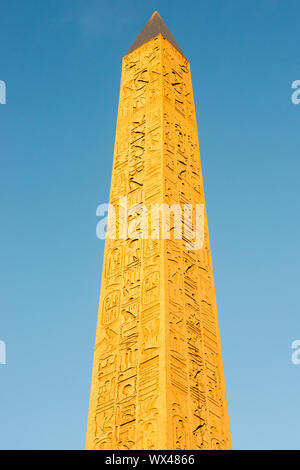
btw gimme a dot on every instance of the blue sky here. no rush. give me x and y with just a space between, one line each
61 61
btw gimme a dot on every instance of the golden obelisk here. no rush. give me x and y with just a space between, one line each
157 380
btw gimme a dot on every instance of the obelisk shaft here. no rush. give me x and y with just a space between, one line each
157 380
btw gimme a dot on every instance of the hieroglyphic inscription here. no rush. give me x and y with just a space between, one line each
157 379
196 370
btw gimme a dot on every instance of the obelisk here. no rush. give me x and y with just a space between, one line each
157 380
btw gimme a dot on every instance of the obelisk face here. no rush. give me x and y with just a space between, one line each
157 380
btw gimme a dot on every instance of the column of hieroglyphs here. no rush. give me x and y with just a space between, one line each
197 400
128 378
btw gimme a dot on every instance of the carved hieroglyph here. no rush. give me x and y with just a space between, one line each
157 380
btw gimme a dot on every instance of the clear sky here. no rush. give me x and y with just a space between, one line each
61 62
